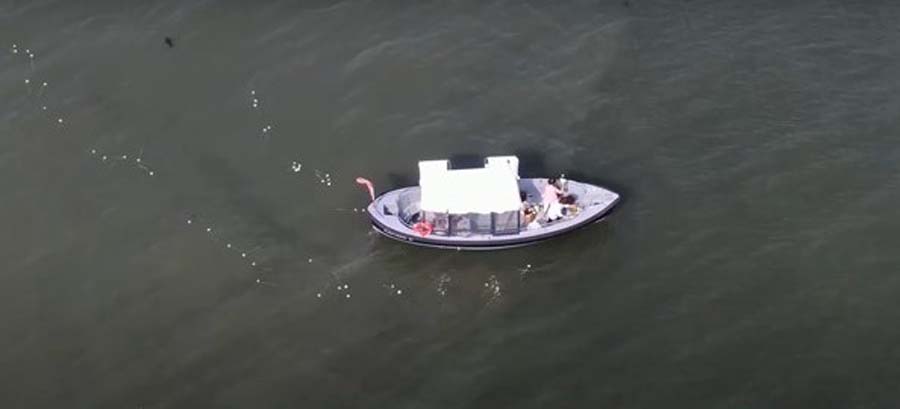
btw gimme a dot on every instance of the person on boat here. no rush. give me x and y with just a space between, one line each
532 222
551 192
529 214
554 211
569 208
550 200
564 207
529 211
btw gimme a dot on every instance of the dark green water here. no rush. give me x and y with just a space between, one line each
752 264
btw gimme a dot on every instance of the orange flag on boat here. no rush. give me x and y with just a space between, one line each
365 182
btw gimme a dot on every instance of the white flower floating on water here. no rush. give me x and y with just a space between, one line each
325 180
493 289
296 166
524 271
442 283
392 289
138 161
228 244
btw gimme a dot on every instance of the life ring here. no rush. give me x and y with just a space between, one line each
423 228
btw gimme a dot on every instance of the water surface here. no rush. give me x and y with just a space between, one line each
751 264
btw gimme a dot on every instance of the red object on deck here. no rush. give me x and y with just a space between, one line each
423 228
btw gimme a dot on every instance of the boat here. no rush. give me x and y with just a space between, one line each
480 208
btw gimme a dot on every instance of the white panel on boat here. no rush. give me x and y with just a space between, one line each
511 162
459 191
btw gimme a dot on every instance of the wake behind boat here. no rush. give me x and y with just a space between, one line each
485 208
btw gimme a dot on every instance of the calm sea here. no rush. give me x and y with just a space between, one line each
179 226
